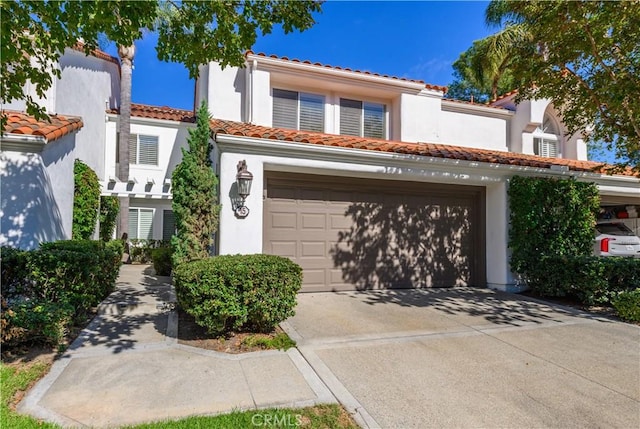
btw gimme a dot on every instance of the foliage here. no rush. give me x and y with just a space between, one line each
194 195
141 251
86 201
55 286
14 379
589 279
162 261
584 56
549 217
234 292
109 208
35 320
627 304
480 74
34 34
280 341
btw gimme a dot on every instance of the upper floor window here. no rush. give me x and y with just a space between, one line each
361 118
546 139
143 149
298 110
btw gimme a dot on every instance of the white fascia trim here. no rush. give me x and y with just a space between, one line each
22 143
452 106
112 117
279 148
277 64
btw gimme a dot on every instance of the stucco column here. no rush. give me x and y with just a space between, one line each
499 275
240 235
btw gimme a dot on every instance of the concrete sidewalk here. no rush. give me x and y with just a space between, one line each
127 367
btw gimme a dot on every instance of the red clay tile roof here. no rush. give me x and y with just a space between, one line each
56 127
471 103
97 53
159 112
436 150
295 60
505 95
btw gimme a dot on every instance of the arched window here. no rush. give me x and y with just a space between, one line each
546 138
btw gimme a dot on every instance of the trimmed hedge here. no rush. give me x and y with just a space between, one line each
589 279
44 291
238 292
162 261
109 209
627 304
141 250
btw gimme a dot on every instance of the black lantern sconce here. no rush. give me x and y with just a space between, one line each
243 180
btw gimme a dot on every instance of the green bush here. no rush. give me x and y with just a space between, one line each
14 280
86 201
35 321
627 304
109 209
162 260
238 292
589 279
141 250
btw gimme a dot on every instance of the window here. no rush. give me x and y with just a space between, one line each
546 139
298 110
143 149
141 223
361 118
168 225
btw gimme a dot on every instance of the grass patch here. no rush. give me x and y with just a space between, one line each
318 417
13 381
280 341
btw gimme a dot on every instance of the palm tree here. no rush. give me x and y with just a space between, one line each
126 54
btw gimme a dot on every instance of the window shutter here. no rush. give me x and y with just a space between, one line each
311 112
148 150
133 148
133 223
374 121
546 148
168 225
146 224
350 117
285 109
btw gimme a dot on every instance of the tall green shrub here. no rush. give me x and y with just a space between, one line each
109 208
549 217
86 201
195 195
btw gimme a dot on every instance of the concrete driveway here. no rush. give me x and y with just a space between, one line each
468 358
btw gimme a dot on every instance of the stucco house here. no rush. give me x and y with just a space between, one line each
37 157
365 180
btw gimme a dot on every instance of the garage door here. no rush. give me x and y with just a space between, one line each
371 234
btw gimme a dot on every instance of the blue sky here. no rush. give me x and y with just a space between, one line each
414 39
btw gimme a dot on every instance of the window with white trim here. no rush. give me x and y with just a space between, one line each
546 140
298 110
362 118
141 223
143 149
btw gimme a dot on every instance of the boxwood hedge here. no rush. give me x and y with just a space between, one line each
238 292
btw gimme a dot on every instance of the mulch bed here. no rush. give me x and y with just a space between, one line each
194 335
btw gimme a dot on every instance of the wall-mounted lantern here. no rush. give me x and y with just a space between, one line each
243 180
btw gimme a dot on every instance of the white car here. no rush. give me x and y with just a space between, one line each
616 239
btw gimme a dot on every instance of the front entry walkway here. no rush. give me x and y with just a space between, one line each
127 368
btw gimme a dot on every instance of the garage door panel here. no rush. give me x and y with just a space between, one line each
283 220
283 248
313 221
399 235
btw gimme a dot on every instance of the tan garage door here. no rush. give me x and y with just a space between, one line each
371 234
